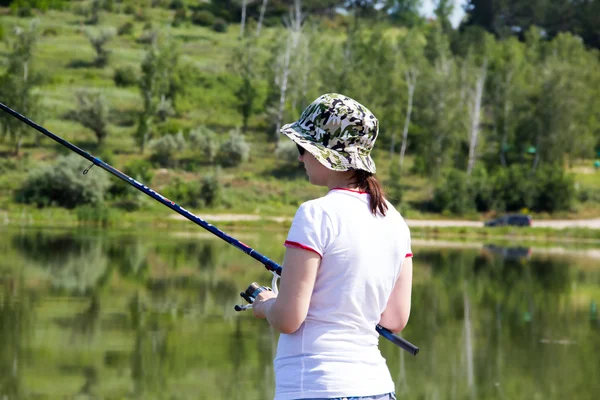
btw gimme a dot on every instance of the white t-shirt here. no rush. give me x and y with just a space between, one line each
335 351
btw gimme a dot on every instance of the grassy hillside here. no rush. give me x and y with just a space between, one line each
264 185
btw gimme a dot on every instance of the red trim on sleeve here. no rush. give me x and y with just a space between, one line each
301 246
409 255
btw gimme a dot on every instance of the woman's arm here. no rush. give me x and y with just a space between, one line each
288 310
397 310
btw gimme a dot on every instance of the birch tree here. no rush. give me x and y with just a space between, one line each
474 107
412 57
243 21
263 9
294 33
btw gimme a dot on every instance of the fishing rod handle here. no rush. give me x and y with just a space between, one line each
397 340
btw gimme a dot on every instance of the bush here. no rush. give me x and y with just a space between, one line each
206 141
125 76
64 185
203 18
180 17
211 189
554 189
177 5
394 185
453 194
165 148
125 29
186 194
140 170
92 112
287 151
220 25
513 188
234 151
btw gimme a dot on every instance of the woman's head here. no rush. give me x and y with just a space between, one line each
335 136
338 131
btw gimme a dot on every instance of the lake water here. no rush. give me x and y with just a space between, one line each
90 314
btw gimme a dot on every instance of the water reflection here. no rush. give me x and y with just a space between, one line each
136 316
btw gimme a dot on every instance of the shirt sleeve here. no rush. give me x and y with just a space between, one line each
409 252
311 229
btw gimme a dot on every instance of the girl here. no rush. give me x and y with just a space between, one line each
347 265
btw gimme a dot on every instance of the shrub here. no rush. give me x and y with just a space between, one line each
513 188
453 194
140 170
180 17
394 186
220 25
165 148
92 112
286 151
64 185
205 140
125 76
234 151
211 189
125 29
183 193
203 18
554 189
129 9
177 5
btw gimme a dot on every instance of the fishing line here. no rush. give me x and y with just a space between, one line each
269 264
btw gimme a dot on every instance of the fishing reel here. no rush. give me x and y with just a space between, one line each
250 295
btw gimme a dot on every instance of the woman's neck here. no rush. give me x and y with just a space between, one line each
344 180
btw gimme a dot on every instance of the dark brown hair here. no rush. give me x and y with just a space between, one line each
367 182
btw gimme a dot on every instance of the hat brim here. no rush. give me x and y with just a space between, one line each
335 160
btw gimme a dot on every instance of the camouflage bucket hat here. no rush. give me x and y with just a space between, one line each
338 131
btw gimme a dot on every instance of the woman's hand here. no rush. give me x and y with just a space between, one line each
263 302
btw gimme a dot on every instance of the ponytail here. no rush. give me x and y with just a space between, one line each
367 182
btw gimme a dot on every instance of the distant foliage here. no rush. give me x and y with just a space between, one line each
206 141
92 112
393 187
205 193
549 189
211 189
165 148
220 25
452 194
64 185
234 151
125 29
203 18
287 151
125 76
180 17
99 40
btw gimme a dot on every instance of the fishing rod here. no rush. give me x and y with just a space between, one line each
269 264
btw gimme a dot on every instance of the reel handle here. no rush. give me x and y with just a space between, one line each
250 295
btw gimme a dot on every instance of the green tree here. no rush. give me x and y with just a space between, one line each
92 112
18 84
156 85
99 40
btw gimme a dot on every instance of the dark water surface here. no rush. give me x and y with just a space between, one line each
137 315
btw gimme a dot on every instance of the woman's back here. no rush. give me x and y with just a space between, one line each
335 350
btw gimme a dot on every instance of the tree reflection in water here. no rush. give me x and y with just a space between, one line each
140 316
